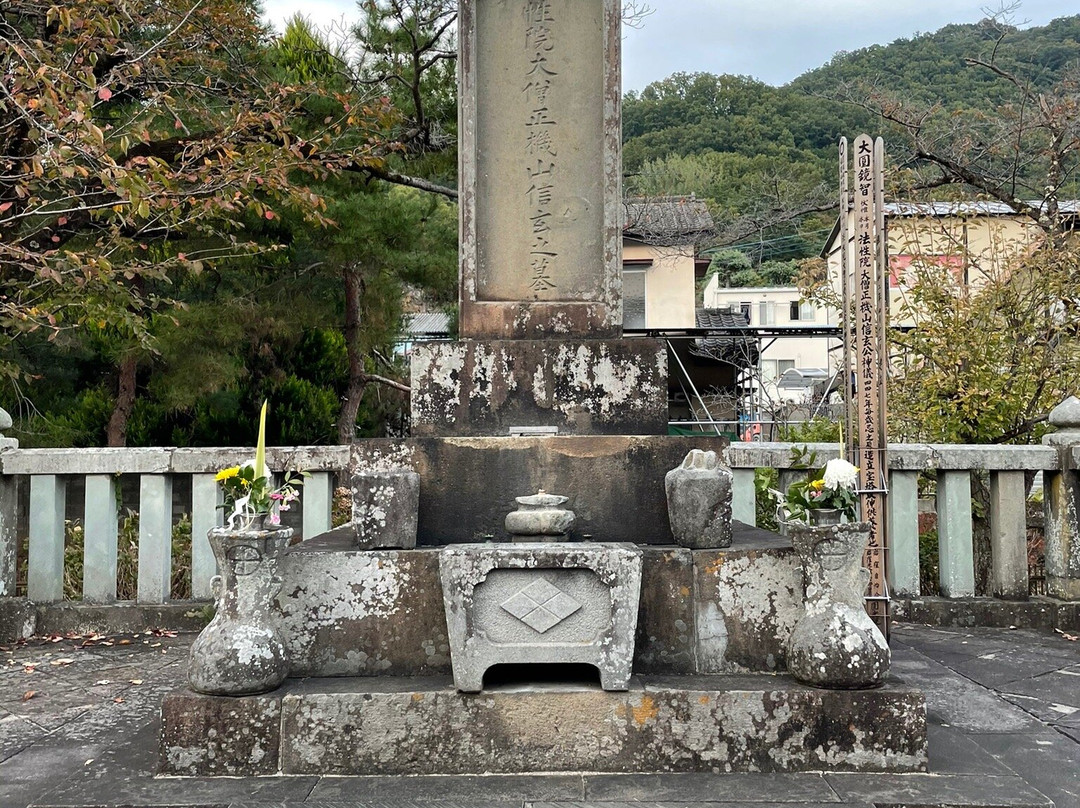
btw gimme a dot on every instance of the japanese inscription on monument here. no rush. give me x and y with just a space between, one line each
540 194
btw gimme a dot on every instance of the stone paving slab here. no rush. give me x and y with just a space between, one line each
1048 758
953 752
392 803
149 791
1000 669
463 788
956 701
694 787
933 790
684 804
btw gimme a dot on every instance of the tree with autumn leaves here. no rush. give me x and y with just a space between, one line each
145 146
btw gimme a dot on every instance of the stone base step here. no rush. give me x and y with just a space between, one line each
394 726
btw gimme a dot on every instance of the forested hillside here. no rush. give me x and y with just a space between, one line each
765 157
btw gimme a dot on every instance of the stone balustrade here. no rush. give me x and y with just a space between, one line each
34 485
33 492
953 465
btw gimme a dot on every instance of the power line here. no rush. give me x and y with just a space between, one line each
763 242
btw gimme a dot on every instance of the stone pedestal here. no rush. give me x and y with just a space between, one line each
541 603
351 612
467 485
385 508
580 387
661 724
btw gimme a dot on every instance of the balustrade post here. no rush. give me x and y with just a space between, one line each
99 539
1008 535
45 576
9 539
903 532
206 496
956 558
155 538
1062 551
316 503
9 514
744 497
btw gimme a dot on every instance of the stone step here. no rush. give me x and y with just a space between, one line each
402 726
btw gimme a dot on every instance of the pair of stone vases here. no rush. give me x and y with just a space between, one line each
835 644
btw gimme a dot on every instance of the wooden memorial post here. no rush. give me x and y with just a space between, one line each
865 278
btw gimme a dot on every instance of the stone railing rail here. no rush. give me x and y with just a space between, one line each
49 471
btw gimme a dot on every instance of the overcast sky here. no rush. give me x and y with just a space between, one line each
772 40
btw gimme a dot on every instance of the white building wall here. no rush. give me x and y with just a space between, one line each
772 305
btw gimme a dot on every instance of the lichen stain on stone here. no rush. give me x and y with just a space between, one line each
646 711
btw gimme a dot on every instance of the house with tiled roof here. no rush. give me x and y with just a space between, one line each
661 262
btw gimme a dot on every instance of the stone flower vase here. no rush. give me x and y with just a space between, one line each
239 652
835 644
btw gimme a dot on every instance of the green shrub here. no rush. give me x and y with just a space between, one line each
127 558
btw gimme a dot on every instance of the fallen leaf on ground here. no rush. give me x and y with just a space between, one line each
102 682
118 700
125 642
1069 637
136 681
64 661
29 694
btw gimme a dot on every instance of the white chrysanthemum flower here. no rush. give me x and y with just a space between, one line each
266 469
840 474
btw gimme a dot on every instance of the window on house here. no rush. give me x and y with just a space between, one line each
766 313
773 369
634 314
745 309
801 312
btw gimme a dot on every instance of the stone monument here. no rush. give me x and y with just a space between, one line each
541 237
386 644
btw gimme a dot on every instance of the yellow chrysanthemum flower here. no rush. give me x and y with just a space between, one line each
225 474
